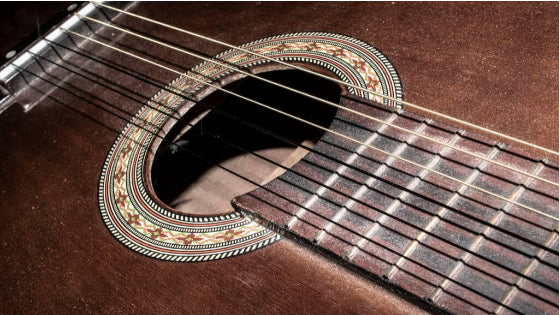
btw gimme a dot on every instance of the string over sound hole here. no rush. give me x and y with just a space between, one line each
232 146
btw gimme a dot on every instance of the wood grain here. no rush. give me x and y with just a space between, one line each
495 64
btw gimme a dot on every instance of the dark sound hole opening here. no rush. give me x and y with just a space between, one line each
219 157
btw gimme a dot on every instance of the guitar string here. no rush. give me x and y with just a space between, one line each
338 134
291 142
329 103
217 164
397 101
260 130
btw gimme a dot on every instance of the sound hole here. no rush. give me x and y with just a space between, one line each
220 156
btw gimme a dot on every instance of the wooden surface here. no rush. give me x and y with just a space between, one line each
495 64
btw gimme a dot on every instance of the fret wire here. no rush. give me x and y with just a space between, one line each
395 100
494 151
157 135
309 123
397 201
489 174
437 217
477 242
529 267
413 244
398 150
329 103
403 195
471 248
343 167
371 179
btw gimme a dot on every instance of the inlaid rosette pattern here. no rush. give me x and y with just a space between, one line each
141 223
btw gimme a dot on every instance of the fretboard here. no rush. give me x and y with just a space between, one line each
442 240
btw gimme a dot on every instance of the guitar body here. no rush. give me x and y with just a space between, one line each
493 64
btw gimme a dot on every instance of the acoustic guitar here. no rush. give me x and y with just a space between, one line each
275 157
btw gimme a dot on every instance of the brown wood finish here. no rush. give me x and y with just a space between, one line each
495 64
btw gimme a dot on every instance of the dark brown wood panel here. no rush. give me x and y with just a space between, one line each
495 64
